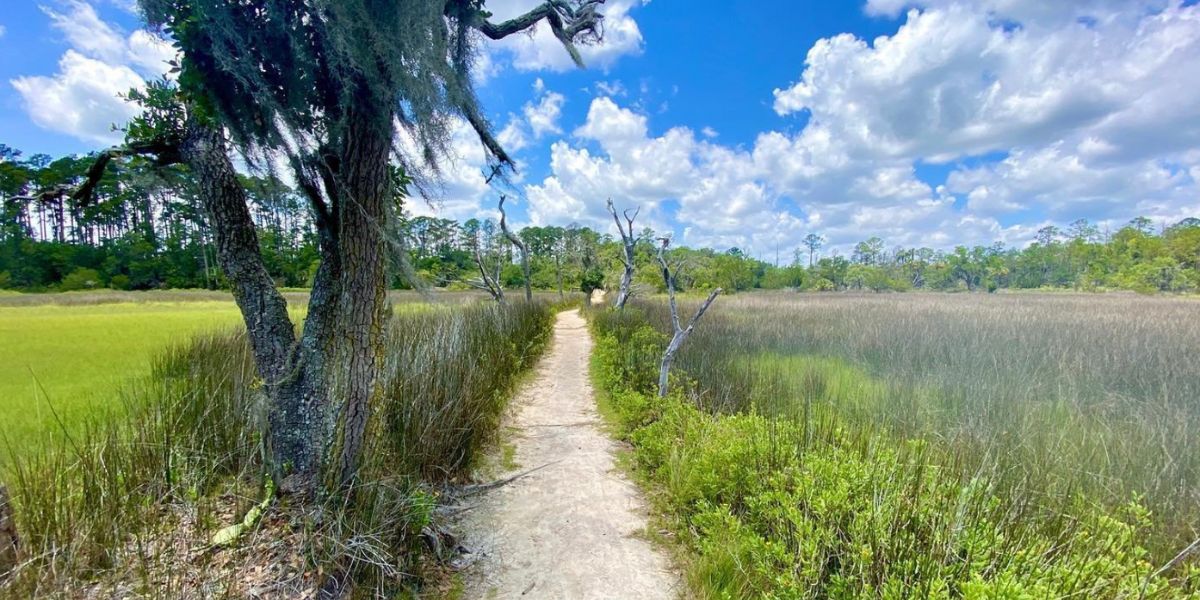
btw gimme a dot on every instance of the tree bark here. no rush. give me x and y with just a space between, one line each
295 413
363 205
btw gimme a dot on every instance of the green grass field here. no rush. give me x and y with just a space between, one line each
66 358
73 360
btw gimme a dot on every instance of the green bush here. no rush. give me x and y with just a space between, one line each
120 282
80 279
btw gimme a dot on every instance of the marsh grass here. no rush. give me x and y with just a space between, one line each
89 503
65 356
1059 426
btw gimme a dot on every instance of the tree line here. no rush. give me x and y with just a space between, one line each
144 229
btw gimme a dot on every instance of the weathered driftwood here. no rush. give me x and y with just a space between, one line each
9 543
629 242
681 333
516 241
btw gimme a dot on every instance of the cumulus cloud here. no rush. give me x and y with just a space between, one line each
1039 112
1085 101
82 98
541 51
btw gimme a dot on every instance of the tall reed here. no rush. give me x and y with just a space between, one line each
91 502
1050 422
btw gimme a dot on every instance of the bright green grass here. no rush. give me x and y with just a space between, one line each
64 358
73 360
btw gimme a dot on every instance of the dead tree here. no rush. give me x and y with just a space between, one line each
487 283
629 242
681 333
516 241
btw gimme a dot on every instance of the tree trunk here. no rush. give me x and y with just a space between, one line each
363 205
558 273
295 409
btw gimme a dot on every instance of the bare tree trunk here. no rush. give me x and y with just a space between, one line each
363 210
628 241
294 417
516 241
680 333
558 271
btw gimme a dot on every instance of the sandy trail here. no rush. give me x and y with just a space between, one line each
573 528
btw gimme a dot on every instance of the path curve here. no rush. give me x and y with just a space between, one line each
573 529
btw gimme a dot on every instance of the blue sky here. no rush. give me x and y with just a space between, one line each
934 122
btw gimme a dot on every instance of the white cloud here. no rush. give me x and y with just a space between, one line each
540 50
1088 106
463 186
82 98
543 116
3 30
614 89
86 32
1087 100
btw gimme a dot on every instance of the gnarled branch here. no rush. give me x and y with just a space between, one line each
680 333
571 22
165 153
629 242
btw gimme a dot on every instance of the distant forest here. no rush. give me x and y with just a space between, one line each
144 230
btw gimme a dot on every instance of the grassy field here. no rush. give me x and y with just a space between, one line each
72 360
956 444
64 358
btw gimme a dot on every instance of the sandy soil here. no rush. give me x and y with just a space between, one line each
574 528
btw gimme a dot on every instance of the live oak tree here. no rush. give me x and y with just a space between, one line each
327 86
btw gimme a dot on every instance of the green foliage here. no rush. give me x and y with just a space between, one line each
806 498
81 279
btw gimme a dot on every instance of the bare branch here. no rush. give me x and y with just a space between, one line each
629 242
165 153
571 22
492 286
680 333
516 241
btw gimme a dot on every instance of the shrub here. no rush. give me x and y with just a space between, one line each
80 279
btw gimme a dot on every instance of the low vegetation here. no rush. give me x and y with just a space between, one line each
938 446
129 506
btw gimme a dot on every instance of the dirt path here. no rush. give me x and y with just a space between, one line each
572 529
